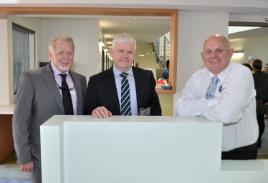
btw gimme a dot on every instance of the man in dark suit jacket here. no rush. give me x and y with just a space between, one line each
40 97
104 89
261 86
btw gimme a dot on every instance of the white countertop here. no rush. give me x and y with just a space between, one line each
144 148
6 109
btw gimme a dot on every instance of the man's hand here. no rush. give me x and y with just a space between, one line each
101 112
27 167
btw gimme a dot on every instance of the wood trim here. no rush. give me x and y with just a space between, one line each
85 11
173 13
173 50
6 138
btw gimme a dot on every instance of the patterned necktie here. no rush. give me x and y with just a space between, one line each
125 96
66 96
212 87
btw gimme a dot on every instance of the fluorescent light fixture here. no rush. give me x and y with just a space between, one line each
238 51
141 55
235 29
238 54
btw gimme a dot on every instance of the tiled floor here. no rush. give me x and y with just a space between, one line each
10 172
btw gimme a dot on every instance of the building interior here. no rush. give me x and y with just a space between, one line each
172 30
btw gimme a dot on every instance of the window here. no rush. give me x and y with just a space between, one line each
23 52
97 11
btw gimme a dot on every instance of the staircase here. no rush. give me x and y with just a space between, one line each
162 49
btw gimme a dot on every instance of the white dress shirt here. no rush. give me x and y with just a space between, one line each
132 88
70 83
234 104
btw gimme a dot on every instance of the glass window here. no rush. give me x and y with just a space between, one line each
23 51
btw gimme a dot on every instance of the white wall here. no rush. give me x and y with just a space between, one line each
255 46
85 32
227 4
258 46
194 28
148 61
6 78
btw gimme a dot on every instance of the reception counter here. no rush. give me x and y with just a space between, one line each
6 139
140 150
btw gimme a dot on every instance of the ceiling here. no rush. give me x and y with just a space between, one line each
260 32
143 28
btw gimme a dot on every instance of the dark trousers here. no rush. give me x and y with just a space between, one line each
260 119
36 175
241 153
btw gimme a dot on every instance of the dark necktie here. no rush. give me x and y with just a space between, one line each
66 96
210 94
125 96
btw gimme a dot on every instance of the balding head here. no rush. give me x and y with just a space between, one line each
219 38
216 53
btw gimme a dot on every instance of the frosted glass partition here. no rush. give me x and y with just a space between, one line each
139 150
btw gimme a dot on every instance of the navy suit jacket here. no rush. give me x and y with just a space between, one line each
102 91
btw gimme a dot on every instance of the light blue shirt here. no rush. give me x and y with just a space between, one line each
70 83
132 87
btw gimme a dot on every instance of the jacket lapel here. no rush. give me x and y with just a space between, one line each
113 92
52 85
138 86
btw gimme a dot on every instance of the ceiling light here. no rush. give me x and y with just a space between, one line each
238 54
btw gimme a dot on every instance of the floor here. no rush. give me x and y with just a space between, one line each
10 173
263 151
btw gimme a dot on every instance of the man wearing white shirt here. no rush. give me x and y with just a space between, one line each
230 101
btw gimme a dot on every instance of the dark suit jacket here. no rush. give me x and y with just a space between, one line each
102 91
38 99
261 86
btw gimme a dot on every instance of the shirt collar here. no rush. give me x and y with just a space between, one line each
118 72
222 74
57 71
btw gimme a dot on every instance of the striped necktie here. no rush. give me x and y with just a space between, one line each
210 94
125 96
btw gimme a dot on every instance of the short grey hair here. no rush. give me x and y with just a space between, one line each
123 37
60 37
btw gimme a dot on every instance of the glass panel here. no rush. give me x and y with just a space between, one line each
23 52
